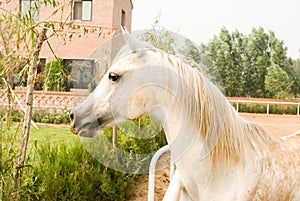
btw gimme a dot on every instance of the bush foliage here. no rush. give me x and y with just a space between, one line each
61 171
262 108
65 172
56 75
41 116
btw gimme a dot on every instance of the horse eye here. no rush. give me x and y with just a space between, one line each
113 77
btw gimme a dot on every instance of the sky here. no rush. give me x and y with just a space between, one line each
200 20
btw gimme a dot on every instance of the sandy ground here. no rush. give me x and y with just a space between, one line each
276 125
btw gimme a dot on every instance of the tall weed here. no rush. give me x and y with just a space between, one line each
9 134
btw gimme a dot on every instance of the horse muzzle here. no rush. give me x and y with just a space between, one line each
83 127
87 126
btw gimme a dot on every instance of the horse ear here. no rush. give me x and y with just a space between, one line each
131 41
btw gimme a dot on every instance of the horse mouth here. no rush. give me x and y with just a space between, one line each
73 129
89 129
102 122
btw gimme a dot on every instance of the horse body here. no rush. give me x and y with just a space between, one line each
280 175
219 156
270 172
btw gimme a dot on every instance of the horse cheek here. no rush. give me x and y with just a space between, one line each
139 105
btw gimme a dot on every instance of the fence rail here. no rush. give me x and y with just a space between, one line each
60 100
175 179
268 103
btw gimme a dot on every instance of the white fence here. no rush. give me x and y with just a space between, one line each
175 179
268 103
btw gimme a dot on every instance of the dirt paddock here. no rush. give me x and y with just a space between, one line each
276 125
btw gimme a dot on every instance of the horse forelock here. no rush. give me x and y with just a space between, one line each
127 50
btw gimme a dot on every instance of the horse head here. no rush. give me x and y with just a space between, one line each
123 94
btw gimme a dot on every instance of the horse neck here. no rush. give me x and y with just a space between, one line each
172 117
201 113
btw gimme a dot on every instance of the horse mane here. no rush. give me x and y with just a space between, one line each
228 138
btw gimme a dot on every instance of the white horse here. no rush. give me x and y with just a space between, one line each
218 155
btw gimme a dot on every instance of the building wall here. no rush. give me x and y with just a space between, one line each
120 5
106 21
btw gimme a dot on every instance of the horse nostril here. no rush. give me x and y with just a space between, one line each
72 116
72 128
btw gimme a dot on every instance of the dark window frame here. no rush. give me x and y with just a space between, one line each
78 14
123 18
33 7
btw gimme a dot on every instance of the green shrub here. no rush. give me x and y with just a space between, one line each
13 115
40 116
69 172
262 108
64 172
153 137
56 75
291 110
8 155
56 117
9 132
60 171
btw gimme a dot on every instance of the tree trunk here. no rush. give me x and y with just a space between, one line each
28 112
8 92
115 136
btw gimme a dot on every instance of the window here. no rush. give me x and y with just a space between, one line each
123 18
30 8
82 10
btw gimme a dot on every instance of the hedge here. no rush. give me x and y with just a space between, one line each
262 108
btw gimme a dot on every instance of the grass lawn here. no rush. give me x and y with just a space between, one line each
51 133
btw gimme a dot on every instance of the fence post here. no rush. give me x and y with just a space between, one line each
268 108
173 188
298 110
237 106
153 162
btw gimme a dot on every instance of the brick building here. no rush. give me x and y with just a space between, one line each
97 21
105 16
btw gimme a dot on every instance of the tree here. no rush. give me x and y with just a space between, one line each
278 82
22 35
242 61
31 74
296 67
29 35
160 37
199 59
55 75
295 74
237 55
257 56
224 52
10 60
